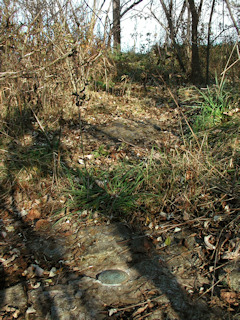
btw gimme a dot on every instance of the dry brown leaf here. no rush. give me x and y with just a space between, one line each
189 175
140 310
150 304
42 225
152 292
33 214
230 297
208 244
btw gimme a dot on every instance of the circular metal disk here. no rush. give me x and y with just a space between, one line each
112 277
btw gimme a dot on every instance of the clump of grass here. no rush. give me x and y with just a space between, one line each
110 192
215 102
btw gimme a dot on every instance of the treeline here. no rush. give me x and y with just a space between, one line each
49 51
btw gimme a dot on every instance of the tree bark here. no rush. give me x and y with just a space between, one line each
209 42
196 72
116 25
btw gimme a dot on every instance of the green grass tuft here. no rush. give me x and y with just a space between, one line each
215 102
112 192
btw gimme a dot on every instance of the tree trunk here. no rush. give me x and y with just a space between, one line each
196 72
116 25
209 43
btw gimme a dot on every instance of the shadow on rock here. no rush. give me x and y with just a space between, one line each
151 289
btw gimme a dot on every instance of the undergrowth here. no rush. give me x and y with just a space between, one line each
188 180
216 101
111 192
190 183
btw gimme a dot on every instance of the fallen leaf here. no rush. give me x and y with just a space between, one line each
6 262
140 310
33 214
30 310
111 312
9 228
208 244
3 234
38 270
189 175
230 297
42 224
167 241
16 314
232 255
152 292
52 272
186 216
36 285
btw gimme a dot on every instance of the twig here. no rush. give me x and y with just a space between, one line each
138 304
131 144
7 74
145 316
230 66
170 227
219 267
209 289
226 66
41 127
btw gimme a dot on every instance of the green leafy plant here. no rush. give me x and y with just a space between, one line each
215 103
101 151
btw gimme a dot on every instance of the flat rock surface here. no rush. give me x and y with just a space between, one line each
141 132
75 292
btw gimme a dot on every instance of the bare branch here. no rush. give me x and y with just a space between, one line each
232 17
130 7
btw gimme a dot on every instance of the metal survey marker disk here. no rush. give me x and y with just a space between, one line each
112 277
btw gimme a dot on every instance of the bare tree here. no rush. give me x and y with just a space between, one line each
176 23
118 12
172 28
